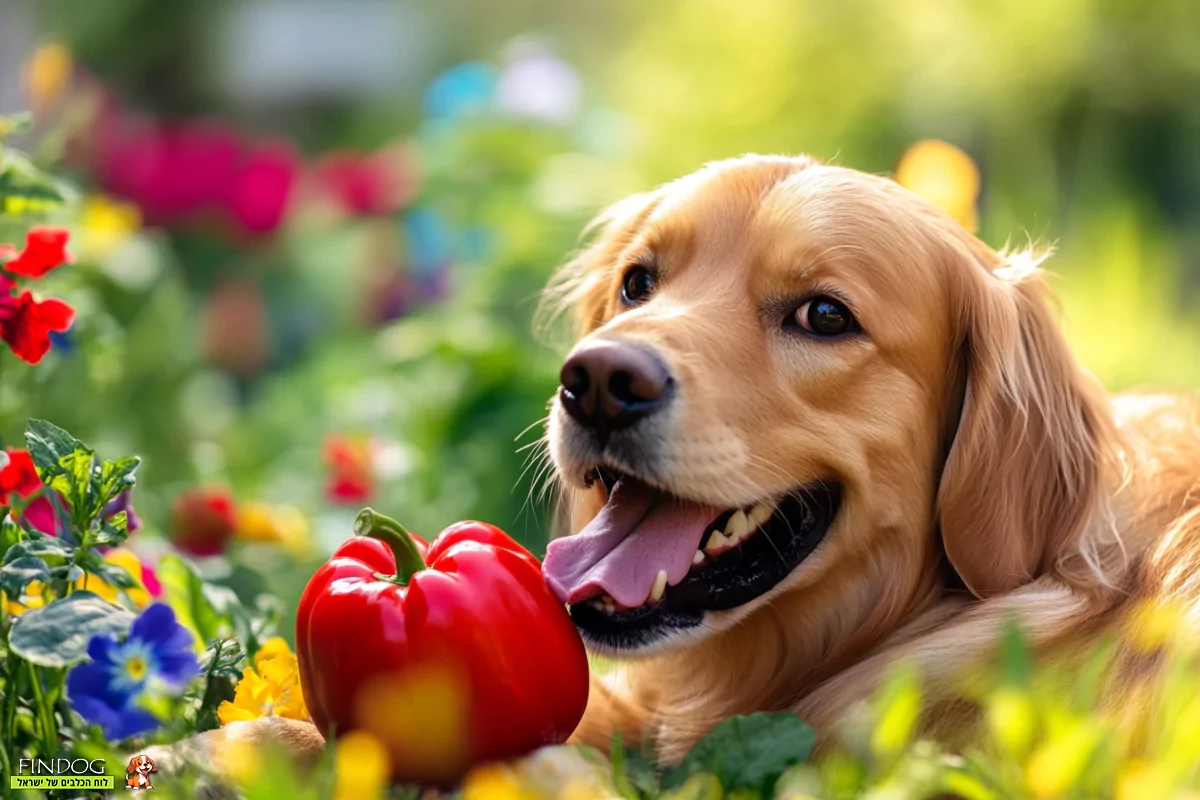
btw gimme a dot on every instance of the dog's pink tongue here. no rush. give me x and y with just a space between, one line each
638 533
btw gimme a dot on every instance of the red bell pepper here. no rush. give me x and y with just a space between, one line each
452 654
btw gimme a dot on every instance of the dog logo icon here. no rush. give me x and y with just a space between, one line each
137 774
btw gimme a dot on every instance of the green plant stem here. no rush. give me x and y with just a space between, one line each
49 731
387 530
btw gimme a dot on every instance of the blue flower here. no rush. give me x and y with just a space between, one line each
461 91
156 657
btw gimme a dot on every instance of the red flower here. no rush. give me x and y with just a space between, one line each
45 249
19 476
25 324
351 479
203 521
366 185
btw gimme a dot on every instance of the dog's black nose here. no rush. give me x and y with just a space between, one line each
608 384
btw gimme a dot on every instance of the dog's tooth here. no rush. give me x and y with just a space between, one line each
697 558
717 542
760 514
738 526
660 586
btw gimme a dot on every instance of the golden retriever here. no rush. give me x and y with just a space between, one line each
847 431
812 425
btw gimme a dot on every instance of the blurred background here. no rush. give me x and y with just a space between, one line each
310 234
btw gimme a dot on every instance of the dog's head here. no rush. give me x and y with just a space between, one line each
141 764
791 375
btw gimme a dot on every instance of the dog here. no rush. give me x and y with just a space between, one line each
137 774
812 425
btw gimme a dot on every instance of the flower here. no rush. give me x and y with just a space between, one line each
540 86
379 183
362 767
284 525
462 91
106 225
944 175
26 324
259 196
269 688
20 475
351 478
236 333
45 249
47 73
156 658
203 520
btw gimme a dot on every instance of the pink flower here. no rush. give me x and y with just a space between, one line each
262 187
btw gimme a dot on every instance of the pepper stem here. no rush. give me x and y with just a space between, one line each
409 562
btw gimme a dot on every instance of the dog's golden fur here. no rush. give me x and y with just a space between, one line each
984 473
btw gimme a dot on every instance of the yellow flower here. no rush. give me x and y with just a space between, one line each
420 714
47 73
106 225
1057 764
283 525
944 175
1139 780
495 782
271 688
363 769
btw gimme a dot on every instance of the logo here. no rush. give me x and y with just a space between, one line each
61 773
137 774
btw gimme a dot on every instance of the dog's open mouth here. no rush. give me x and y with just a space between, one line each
650 563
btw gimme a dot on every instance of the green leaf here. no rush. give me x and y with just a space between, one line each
39 191
112 574
114 531
20 572
1015 666
51 548
57 635
748 752
11 124
634 775
185 592
67 572
116 476
48 444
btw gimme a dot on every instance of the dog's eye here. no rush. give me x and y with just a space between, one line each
637 286
823 316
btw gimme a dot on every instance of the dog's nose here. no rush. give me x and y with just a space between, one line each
608 384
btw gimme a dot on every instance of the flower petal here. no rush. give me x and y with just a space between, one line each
45 249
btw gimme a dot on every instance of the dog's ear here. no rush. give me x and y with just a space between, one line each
583 286
1023 474
132 766
150 761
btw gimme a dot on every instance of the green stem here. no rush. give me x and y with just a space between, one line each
49 734
408 558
